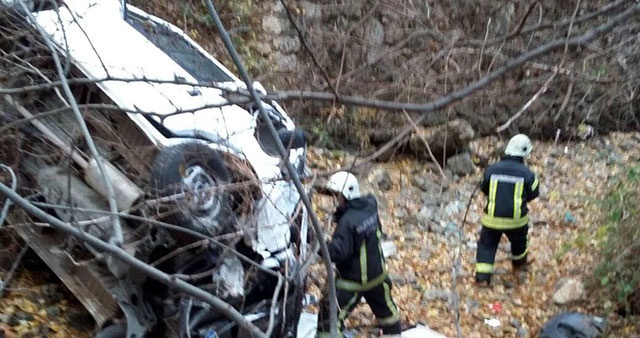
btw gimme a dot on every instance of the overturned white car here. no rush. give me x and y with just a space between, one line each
195 174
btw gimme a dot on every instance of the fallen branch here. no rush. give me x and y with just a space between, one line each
12 270
7 203
284 157
540 91
426 144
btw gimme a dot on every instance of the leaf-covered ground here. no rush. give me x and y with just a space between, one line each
563 241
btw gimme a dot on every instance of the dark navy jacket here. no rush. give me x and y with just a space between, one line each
355 245
509 184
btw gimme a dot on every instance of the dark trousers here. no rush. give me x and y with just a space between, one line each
379 300
488 245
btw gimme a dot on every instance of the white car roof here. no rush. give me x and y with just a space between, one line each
104 45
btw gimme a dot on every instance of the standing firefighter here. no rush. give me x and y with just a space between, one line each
356 251
509 184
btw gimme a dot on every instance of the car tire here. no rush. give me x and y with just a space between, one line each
117 330
199 173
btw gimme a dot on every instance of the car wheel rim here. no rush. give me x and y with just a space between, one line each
200 191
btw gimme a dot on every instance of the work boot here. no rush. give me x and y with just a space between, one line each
483 279
521 272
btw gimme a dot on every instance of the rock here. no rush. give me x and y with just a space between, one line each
453 208
461 164
426 215
568 290
263 48
289 45
51 293
437 227
43 330
456 134
21 315
400 213
52 312
403 278
425 184
382 180
272 24
614 158
505 247
11 320
472 245
522 332
436 294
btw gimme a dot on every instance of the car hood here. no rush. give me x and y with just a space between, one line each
135 74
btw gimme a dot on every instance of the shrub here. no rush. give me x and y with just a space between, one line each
618 273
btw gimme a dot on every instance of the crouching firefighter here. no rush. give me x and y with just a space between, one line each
508 184
356 250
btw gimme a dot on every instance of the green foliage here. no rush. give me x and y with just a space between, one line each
196 12
617 275
320 136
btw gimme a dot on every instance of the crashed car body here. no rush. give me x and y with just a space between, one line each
181 146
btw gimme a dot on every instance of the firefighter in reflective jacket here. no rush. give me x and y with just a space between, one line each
508 184
355 249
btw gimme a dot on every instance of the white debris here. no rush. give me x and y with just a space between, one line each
389 249
493 322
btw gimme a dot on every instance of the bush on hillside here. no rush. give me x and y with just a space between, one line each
618 273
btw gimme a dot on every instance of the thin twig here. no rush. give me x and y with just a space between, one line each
13 269
515 116
117 236
426 144
456 267
274 301
7 202
292 20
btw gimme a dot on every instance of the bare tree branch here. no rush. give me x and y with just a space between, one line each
426 144
283 155
292 20
470 89
117 237
515 116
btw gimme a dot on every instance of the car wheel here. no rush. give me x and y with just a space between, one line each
197 176
118 330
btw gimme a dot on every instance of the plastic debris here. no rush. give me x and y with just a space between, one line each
389 249
573 324
568 217
495 307
493 322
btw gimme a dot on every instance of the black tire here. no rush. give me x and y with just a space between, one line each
194 167
117 330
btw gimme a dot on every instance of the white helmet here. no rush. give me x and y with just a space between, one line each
344 183
519 145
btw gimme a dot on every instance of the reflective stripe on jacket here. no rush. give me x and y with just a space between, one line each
355 245
509 184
